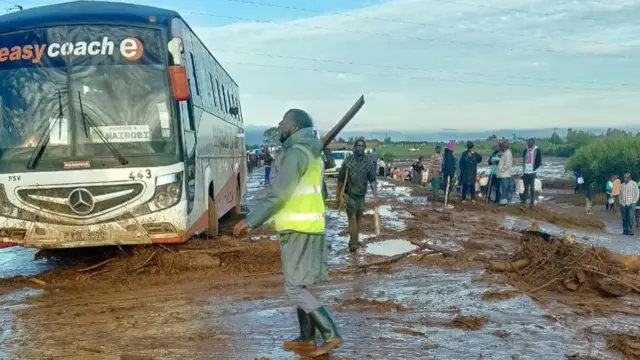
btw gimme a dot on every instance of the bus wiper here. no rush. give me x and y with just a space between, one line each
44 140
86 119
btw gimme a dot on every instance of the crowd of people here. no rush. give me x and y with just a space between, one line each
443 172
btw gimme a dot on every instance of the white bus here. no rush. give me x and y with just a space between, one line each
118 126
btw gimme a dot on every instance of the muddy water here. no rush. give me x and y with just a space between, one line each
16 261
609 239
204 318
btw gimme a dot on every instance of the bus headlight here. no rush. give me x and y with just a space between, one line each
168 192
8 210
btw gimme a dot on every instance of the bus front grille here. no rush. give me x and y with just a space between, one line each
81 201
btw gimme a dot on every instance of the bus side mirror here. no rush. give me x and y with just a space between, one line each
179 82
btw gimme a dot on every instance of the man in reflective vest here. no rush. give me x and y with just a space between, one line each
296 204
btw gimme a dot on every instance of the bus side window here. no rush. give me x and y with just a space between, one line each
195 73
226 103
235 104
219 95
213 90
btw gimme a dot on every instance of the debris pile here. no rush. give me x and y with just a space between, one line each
559 264
224 256
627 344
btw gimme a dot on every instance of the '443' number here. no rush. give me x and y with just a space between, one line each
141 174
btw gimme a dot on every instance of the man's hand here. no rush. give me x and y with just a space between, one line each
240 227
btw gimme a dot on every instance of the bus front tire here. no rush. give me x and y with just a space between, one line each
214 224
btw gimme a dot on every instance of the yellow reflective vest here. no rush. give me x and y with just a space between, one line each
304 211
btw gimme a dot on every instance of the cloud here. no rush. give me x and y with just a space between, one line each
452 64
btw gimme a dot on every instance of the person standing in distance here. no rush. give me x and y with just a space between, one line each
296 204
503 173
360 171
629 195
532 159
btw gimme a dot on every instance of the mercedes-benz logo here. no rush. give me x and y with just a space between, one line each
81 201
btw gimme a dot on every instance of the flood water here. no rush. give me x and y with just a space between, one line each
193 320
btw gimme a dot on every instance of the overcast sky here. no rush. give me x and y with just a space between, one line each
427 64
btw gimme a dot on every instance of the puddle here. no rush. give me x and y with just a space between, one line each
387 211
11 302
390 247
15 261
386 188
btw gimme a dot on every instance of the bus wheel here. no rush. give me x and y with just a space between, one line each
237 209
214 224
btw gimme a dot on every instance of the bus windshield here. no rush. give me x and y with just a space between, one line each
77 83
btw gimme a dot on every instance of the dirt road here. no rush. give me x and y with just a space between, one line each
223 299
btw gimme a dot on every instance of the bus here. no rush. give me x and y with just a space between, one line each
118 127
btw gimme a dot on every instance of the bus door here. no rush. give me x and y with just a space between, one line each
188 125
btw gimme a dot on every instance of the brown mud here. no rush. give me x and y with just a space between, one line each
359 304
627 344
224 296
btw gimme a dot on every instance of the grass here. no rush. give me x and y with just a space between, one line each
400 150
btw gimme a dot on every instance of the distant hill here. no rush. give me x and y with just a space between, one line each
253 134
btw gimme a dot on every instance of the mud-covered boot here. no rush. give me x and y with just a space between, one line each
323 322
307 339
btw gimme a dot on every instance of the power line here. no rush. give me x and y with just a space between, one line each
425 24
528 12
419 69
510 48
427 78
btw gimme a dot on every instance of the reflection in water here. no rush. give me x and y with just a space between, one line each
390 247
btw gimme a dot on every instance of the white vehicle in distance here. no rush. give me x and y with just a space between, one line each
338 158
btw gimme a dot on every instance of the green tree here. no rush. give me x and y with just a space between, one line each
387 140
602 158
271 136
388 157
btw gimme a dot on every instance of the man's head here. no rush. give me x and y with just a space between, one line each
627 177
470 145
531 142
421 158
292 121
438 148
359 147
504 145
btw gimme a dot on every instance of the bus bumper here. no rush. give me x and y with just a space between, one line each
166 226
